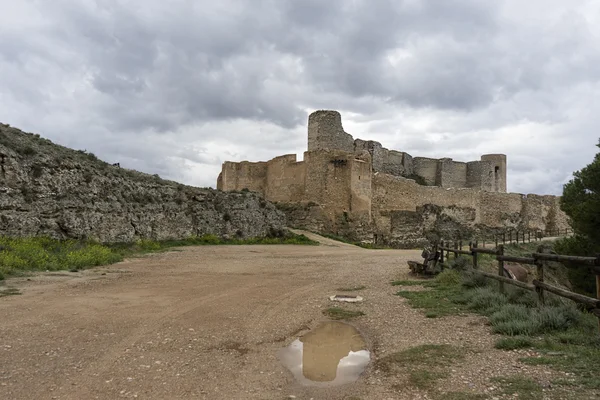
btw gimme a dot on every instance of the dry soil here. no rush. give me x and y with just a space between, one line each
208 322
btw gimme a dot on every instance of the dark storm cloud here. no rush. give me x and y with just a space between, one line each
436 78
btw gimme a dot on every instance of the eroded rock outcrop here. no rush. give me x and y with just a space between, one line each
47 189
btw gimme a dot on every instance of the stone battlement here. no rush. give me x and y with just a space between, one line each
325 132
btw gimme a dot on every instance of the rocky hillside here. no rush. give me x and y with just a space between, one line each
47 189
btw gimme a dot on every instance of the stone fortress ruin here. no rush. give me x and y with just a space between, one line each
362 191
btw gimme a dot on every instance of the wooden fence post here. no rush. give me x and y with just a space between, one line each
500 252
529 236
509 236
441 251
496 241
455 248
474 254
503 237
540 276
460 246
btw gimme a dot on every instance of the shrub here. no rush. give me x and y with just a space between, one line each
510 312
517 327
520 296
448 277
474 280
486 300
37 171
210 239
460 263
557 318
513 343
226 217
27 151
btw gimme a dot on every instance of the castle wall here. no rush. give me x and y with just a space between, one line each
426 168
502 210
480 175
451 174
360 181
285 179
328 179
325 132
243 175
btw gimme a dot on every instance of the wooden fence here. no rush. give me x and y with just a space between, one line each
540 260
522 236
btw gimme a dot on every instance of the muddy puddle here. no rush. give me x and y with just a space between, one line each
332 354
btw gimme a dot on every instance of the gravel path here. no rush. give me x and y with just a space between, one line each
207 322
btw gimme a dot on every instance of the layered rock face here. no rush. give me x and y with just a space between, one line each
50 190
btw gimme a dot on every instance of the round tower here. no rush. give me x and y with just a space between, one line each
325 132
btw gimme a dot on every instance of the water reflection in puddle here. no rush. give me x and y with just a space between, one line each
332 354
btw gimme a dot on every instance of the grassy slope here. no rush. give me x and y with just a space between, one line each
20 255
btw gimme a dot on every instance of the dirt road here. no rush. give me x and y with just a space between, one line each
208 322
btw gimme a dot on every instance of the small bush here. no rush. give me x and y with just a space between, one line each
448 277
486 300
517 327
226 217
37 171
513 343
520 296
461 263
27 151
557 318
337 313
510 312
474 280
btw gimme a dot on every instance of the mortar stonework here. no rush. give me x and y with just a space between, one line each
364 191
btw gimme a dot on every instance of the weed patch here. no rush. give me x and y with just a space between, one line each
9 292
46 254
338 313
427 355
513 343
516 386
424 379
424 365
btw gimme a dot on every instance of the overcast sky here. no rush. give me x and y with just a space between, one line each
177 87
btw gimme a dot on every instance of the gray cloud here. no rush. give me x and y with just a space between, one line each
177 87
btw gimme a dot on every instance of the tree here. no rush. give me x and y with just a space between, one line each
581 202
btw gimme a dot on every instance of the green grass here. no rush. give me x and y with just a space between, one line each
19 255
461 396
424 365
523 388
566 338
351 288
426 355
513 343
424 379
338 313
9 292
419 282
